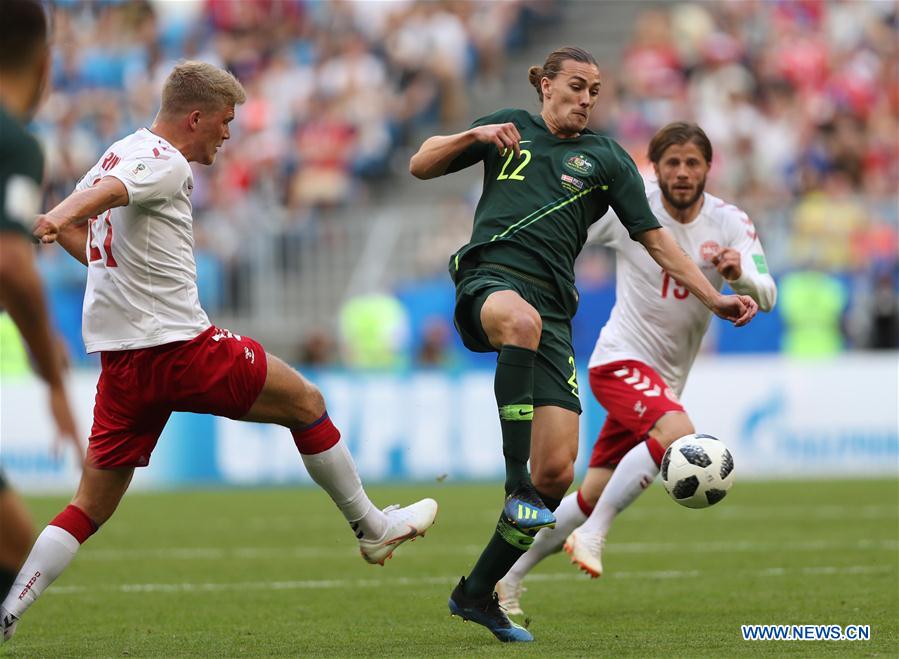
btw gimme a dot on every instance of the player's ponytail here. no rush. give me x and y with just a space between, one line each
535 75
553 65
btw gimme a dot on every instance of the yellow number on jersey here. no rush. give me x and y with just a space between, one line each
514 176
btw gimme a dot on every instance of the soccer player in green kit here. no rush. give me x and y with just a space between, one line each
547 178
24 74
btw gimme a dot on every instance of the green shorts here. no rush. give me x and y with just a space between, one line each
555 375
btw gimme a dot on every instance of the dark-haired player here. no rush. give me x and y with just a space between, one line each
644 352
547 178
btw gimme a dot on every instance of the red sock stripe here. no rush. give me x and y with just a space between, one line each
75 521
656 450
585 507
316 437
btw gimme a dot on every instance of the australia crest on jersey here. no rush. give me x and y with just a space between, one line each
578 163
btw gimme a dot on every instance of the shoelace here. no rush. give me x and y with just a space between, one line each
528 494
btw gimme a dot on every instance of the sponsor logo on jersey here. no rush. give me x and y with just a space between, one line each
708 249
760 263
140 171
579 164
571 183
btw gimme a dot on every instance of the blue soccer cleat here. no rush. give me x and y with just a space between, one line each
525 510
486 611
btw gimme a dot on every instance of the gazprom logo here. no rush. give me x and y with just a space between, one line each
767 429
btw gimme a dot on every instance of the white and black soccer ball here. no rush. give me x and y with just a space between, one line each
697 471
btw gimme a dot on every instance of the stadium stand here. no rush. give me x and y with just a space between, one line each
311 203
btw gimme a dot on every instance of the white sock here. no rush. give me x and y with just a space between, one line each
634 473
335 472
569 516
53 550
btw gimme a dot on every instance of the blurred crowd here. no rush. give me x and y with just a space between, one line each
799 97
334 86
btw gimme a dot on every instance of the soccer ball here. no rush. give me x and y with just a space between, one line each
697 471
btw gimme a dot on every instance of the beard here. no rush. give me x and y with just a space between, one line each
677 203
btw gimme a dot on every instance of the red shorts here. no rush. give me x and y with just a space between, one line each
635 397
215 373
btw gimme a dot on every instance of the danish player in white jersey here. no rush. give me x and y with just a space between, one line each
644 352
129 221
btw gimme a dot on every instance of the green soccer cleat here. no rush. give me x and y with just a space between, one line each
525 510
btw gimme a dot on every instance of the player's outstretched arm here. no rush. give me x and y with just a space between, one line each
661 245
436 153
22 295
108 193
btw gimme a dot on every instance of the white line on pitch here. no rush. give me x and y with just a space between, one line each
258 553
319 584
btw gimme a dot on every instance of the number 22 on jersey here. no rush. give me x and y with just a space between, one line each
516 173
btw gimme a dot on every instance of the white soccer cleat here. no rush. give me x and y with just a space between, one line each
509 591
8 624
402 524
585 550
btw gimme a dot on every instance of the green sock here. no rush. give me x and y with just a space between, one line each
514 389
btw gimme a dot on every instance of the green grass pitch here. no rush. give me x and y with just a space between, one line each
277 573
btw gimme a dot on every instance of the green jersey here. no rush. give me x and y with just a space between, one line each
21 173
535 210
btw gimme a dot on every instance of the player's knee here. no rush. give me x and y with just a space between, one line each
311 405
671 427
523 329
553 478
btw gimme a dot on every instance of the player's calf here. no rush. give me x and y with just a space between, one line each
52 552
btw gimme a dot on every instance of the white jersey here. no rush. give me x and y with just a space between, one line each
142 277
655 319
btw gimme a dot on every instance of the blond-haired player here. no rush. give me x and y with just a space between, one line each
129 221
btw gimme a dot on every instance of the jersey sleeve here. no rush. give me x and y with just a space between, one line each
20 188
627 196
148 178
476 152
755 280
